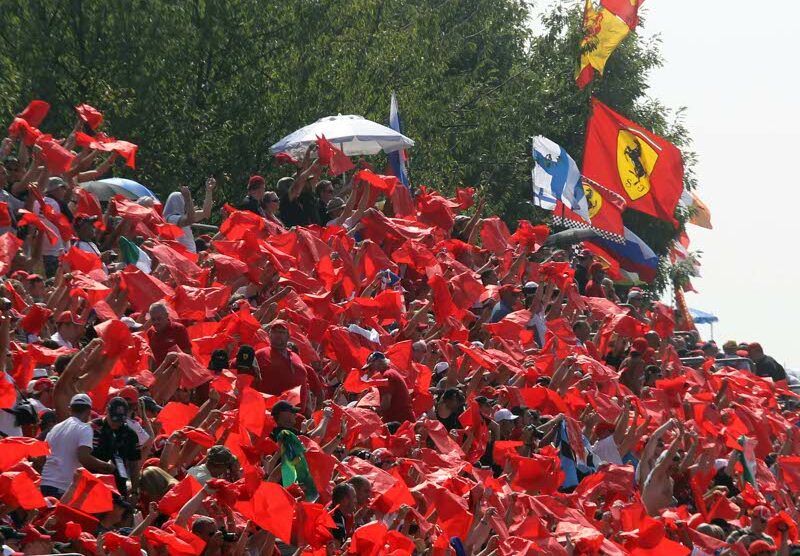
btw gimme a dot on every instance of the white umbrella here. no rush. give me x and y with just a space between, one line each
353 134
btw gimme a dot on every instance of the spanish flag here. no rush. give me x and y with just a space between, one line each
627 10
604 32
645 169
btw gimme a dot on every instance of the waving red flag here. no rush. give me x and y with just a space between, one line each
10 245
35 112
626 10
178 495
24 130
199 303
57 159
176 415
315 524
605 212
28 218
14 449
495 235
102 142
81 260
18 489
192 373
170 541
91 494
334 158
271 508
645 169
143 289
89 114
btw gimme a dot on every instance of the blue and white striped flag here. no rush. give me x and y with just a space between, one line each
556 178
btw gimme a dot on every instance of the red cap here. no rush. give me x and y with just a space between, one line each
279 323
595 266
640 344
68 317
34 278
42 384
255 181
761 512
754 346
129 393
604 429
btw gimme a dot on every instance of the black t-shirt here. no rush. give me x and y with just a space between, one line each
109 443
300 212
768 367
251 204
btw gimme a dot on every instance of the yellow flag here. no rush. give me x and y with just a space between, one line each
604 32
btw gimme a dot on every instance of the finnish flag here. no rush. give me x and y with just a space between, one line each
556 178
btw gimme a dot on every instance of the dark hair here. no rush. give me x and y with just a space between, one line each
341 491
452 394
61 363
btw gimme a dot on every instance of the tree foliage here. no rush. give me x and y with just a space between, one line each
204 87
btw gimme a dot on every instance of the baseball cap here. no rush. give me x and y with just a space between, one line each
530 287
219 360
335 204
374 356
80 400
130 323
68 317
54 183
130 394
504 415
595 266
40 385
441 367
150 404
255 181
761 512
280 323
118 410
245 356
730 345
755 346
282 406
85 219
635 293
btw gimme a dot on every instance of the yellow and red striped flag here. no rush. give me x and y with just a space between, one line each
604 33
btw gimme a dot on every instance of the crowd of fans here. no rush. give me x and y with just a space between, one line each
347 367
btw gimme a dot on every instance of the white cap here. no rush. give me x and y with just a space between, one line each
130 323
441 367
504 415
40 373
476 344
81 399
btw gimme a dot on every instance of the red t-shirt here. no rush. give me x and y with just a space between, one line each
281 372
594 289
174 338
400 406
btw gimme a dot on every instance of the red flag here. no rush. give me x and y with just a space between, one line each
17 489
34 319
495 235
91 494
384 184
176 415
199 303
286 158
368 540
645 169
443 305
532 237
172 544
28 218
178 495
626 10
10 245
88 204
271 508
143 289
192 373
35 112
104 143
334 158
116 336
57 159
14 449
89 114
790 472
114 541
81 260
22 129
605 212
316 524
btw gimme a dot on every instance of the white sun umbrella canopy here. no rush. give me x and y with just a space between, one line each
355 135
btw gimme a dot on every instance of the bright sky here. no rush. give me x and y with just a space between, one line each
732 67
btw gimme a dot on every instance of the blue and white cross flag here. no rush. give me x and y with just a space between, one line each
556 178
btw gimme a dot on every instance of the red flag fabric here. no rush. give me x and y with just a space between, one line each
495 235
89 114
17 489
384 184
316 524
178 495
143 289
35 112
10 245
368 540
130 546
14 449
192 373
22 129
334 158
199 303
56 158
116 336
81 260
28 218
271 508
626 10
35 318
104 143
605 212
176 415
645 169
87 204
91 494
173 545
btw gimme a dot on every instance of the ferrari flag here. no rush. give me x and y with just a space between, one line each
644 168
604 32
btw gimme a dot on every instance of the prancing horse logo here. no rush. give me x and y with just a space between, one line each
636 159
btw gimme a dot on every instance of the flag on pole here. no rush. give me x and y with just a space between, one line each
397 159
132 254
627 10
700 213
605 212
604 32
556 176
634 255
644 168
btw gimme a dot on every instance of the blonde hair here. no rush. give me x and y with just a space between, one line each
156 482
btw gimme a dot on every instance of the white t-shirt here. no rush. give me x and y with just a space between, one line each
47 248
8 424
64 440
57 338
139 430
606 449
200 472
187 238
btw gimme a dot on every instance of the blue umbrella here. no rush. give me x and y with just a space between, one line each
701 317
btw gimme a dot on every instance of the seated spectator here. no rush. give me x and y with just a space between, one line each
765 365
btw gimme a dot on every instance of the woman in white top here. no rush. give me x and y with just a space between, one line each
179 210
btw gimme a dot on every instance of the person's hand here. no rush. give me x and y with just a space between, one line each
185 193
110 468
152 507
211 185
327 413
